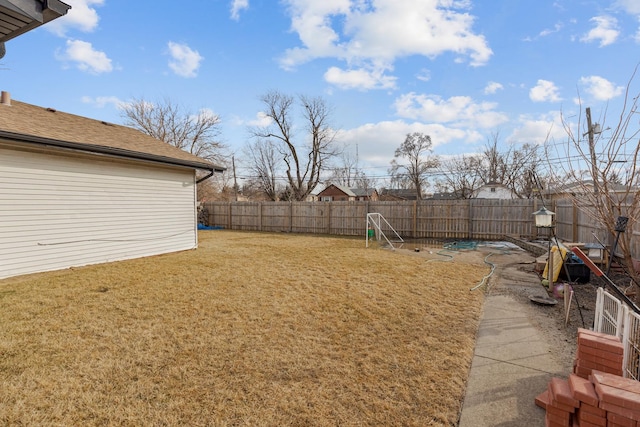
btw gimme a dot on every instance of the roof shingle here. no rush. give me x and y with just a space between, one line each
32 124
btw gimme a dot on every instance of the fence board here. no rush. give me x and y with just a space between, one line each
434 219
472 219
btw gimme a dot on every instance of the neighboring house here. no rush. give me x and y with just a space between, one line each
393 195
494 190
339 193
444 196
313 196
574 189
365 194
76 191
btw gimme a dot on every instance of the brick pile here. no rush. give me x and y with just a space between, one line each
595 394
598 351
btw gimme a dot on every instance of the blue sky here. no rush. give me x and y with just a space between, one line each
457 70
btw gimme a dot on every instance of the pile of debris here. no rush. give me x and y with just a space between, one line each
596 393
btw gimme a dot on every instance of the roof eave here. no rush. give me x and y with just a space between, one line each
25 15
118 152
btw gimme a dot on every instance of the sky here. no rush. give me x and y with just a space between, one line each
460 71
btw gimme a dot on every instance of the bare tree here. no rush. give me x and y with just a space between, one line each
610 165
365 181
264 164
348 172
166 121
416 150
511 167
460 175
303 161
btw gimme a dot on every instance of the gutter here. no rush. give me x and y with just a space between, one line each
118 152
31 14
204 178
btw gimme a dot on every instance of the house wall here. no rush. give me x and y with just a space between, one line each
64 209
499 193
335 193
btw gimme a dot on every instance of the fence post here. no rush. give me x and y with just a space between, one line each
290 216
534 228
574 228
414 226
419 219
470 220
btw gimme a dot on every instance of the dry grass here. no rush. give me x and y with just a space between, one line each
250 329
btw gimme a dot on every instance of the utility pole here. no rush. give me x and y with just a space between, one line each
592 153
235 180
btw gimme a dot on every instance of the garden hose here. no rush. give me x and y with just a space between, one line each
441 253
485 279
503 251
471 245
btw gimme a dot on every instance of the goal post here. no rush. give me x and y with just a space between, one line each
380 229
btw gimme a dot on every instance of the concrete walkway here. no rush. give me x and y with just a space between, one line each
512 363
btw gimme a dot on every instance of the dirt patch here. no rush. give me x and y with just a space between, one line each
515 274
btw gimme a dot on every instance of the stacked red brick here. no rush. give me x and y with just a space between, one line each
595 395
559 403
598 351
620 397
589 412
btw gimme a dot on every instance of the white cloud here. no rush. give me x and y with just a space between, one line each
359 79
86 57
492 87
538 129
103 101
457 110
632 7
600 88
544 91
206 113
357 32
606 30
424 75
548 31
377 142
237 6
82 16
261 120
184 60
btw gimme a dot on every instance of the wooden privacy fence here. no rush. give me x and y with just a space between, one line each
579 224
474 219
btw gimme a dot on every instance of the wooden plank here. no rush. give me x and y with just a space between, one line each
477 219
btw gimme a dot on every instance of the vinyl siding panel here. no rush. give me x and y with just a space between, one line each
59 210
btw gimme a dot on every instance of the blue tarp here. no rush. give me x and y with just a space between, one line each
206 227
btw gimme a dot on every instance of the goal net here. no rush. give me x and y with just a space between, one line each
378 228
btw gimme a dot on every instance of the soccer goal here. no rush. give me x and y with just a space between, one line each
380 229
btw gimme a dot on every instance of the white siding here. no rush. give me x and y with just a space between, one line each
59 211
500 192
